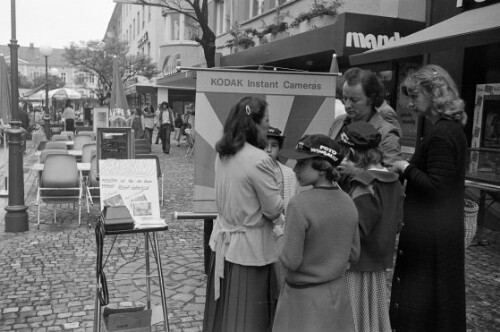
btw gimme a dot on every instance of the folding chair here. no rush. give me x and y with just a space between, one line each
159 173
70 134
80 141
86 133
55 145
92 189
60 183
60 138
47 152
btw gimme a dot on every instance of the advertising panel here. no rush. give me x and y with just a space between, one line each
299 103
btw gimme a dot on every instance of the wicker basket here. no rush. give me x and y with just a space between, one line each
470 220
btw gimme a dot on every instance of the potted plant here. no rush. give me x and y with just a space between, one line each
277 29
239 38
319 8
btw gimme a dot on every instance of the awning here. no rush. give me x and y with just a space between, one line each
140 88
33 91
185 80
471 28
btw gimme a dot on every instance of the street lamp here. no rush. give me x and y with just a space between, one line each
16 217
46 51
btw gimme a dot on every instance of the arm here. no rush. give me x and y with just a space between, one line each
266 188
142 123
390 147
440 171
292 252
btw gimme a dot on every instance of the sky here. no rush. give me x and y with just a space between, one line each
55 23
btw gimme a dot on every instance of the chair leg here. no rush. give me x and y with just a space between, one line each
38 218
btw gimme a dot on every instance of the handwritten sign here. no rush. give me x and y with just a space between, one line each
132 183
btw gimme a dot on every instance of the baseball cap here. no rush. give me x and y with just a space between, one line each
317 145
274 132
360 135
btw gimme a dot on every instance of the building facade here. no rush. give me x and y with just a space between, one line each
31 63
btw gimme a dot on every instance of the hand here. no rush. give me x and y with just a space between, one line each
400 166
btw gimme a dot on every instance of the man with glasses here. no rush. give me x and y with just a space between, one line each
362 95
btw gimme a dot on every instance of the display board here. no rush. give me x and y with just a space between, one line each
115 143
132 183
299 103
486 125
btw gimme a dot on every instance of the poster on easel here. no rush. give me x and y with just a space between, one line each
132 183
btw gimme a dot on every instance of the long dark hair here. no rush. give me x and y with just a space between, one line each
241 126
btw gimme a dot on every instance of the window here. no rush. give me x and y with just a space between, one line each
175 25
91 78
220 17
256 7
143 17
149 13
149 49
133 27
63 77
190 28
138 23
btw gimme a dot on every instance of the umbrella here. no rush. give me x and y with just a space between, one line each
5 102
118 99
64 93
59 94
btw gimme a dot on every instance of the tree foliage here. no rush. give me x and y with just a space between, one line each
96 57
198 11
53 81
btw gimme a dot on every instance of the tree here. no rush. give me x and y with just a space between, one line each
198 11
96 57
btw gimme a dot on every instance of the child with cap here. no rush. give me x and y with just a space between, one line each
320 231
287 182
378 196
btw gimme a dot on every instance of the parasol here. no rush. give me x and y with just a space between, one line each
118 99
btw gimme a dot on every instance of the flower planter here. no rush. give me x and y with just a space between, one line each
316 22
280 35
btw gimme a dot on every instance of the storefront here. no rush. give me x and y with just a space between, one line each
467 45
312 50
139 95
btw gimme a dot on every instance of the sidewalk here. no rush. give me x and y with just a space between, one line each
47 276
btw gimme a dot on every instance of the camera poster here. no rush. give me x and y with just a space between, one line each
486 125
131 183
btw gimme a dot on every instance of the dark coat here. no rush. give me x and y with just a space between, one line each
428 287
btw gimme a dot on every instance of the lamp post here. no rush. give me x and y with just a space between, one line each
16 217
46 51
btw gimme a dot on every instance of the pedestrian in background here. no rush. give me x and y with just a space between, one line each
157 124
149 122
166 120
378 196
428 287
240 286
287 183
362 93
137 124
320 232
69 117
178 123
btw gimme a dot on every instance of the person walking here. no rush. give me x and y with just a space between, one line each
149 122
69 117
428 286
178 123
240 286
362 93
166 121
378 196
137 123
320 233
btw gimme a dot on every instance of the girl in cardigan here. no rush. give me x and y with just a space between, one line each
241 287
378 196
320 229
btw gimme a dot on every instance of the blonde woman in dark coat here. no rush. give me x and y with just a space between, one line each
428 287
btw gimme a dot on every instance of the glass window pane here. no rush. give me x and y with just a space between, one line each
174 26
190 28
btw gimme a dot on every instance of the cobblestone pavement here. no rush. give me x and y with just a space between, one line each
47 276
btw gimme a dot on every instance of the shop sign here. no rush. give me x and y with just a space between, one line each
369 41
